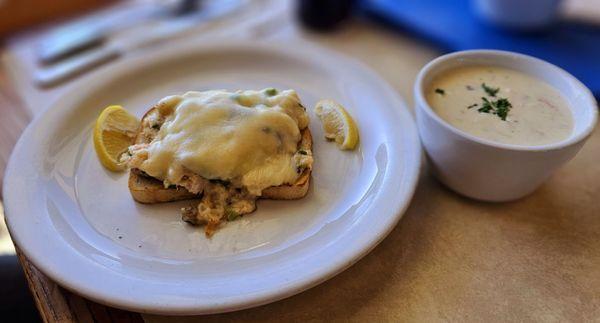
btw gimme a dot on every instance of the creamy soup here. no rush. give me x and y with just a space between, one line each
501 104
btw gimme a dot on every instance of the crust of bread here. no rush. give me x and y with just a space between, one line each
149 190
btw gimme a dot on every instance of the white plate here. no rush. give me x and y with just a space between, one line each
79 225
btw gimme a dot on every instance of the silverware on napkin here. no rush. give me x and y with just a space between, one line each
73 65
89 32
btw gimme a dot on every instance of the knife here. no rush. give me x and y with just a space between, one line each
88 60
90 32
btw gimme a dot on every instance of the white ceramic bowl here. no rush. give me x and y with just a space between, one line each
461 160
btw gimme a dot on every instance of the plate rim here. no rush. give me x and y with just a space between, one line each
172 52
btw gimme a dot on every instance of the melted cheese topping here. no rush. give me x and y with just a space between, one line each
246 137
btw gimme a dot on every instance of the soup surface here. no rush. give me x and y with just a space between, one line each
501 105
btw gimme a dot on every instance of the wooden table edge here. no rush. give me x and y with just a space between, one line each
56 304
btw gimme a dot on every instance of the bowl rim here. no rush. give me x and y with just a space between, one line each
422 104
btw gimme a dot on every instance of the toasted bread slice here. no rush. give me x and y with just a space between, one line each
146 189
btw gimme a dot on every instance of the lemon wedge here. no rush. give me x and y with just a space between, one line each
337 124
114 132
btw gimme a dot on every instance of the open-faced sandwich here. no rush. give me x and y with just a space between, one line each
226 149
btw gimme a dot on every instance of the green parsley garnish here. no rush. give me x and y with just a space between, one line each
440 91
231 215
502 108
490 90
499 107
270 91
486 107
